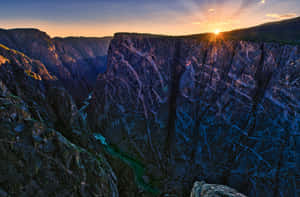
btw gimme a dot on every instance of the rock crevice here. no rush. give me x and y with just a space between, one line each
222 113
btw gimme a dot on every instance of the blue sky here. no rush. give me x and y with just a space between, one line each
176 17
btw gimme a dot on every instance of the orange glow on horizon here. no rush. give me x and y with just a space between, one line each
217 32
197 23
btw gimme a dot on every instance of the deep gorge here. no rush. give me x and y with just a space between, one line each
147 115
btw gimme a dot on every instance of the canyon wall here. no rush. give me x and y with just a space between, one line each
75 61
179 109
46 149
225 112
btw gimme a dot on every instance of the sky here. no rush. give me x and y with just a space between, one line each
99 18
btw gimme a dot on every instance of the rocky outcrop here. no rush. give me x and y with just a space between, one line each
202 189
75 61
225 111
45 147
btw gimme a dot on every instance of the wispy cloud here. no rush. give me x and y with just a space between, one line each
246 4
196 23
216 24
281 16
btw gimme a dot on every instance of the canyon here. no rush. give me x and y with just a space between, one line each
148 115
76 62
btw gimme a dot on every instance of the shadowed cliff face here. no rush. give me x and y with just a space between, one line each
45 147
225 112
44 121
75 61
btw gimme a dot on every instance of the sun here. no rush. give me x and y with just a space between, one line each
216 32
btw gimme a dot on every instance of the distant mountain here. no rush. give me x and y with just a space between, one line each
281 31
285 31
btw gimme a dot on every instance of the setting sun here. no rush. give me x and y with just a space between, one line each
216 32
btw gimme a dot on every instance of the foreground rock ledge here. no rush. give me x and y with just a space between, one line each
202 189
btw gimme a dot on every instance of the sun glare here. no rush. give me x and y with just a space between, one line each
216 32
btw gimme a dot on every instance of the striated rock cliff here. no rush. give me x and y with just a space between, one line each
226 112
46 149
75 61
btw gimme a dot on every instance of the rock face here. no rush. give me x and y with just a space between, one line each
45 147
201 189
226 112
175 110
75 61
83 168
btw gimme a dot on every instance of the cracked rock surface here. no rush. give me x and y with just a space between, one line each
45 149
226 112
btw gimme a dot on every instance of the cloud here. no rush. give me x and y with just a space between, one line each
196 23
246 4
217 24
281 16
211 10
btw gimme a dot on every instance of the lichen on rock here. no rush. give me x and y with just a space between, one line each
202 189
